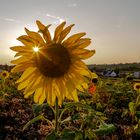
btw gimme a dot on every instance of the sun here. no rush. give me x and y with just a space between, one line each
35 49
57 69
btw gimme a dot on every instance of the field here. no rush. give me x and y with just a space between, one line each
112 112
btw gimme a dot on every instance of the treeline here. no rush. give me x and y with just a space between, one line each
118 67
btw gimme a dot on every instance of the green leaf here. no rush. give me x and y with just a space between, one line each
37 108
138 100
78 135
90 134
138 114
68 135
105 129
132 108
76 117
40 117
77 104
52 136
66 120
99 113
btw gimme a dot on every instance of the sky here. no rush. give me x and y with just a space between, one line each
112 25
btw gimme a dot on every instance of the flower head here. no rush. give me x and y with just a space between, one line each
4 74
94 77
52 67
137 86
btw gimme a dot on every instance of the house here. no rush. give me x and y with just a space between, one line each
136 74
113 74
109 73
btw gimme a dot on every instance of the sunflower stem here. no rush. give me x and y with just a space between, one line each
56 115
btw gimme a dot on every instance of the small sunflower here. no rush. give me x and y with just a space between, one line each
137 86
94 77
4 74
53 67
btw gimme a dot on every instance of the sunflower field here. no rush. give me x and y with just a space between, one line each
50 93
108 109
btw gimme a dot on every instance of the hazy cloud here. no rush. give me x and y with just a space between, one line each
58 20
9 19
72 5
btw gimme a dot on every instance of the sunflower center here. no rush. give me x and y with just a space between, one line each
53 61
4 74
137 86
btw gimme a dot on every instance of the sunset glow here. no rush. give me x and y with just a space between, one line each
112 25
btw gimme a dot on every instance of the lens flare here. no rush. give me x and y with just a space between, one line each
35 49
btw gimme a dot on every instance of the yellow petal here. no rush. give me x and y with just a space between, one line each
80 63
24 53
42 98
79 44
40 25
28 82
84 44
79 87
58 31
37 94
53 94
28 93
23 85
50 94
94 75
19 48
46 34
26 42
59 92
76 78
70 85
83 53
84 72
35 36
19 68
34 83
64 33
26 74
73 38
18 54
85 85
20 60
44 30
74 95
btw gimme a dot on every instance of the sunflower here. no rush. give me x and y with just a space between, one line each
4 74
137 86
94 77
52 67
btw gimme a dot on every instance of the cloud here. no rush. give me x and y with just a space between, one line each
9 19
58 20
72 5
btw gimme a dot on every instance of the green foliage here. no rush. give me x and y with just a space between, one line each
52 136
114 109
105 129
40 117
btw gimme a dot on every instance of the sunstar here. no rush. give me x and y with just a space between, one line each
36 49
